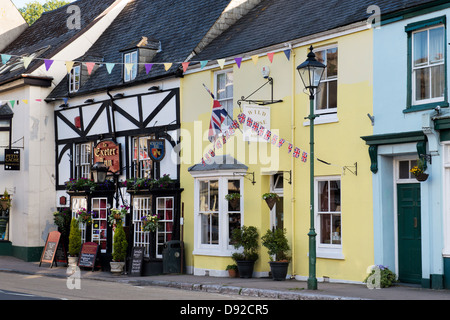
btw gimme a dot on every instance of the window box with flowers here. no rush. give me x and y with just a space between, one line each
146 184
88 185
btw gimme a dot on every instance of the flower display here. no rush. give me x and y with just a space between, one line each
118 215
149 222
84 216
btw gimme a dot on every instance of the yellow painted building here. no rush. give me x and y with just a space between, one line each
343 182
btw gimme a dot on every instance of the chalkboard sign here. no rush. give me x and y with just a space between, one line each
51 245
61 254
137 258
88 255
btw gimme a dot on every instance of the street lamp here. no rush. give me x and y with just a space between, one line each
311 72
99 171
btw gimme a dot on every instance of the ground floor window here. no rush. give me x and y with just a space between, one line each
79 203
215 217
99 222
142 206
164 210
328 213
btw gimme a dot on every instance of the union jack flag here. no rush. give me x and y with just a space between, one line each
235 124
296 153
268 134
290 147
241 118
255 126
249 122
218 115
304 156
261 131
274 139
280 143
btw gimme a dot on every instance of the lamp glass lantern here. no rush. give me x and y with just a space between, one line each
99 171
311 72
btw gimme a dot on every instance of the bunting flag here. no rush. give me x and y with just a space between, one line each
238 62
203 63
25 101
109 67
255 58
221 63
167 66
69 66
12 102
270 56
26 61
5 58
287 53
90 66
148 67
185 66
129 67
48 64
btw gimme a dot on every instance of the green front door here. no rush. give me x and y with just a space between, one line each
409 234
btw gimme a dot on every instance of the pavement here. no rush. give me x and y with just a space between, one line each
253 287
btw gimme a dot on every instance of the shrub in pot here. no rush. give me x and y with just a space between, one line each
278 247
232 270
119 250
247 239
74 245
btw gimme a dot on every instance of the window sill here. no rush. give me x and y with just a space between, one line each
330 253
323 118
212 252
426 106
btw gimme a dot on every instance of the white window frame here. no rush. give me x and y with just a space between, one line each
164 222
77 204
428 65
139 170
227 99
83 160
101 219
130 57
142 205
223 248
75 79
329 251
325 80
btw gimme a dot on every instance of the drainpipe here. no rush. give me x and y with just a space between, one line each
292 160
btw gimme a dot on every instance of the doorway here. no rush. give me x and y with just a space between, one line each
409 233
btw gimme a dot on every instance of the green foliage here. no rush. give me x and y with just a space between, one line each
33 10
120 244
74 238
270 195
246 238
232 196
231 267
276 244
387 277
62 220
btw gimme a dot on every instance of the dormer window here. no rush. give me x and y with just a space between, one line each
130 74
74 79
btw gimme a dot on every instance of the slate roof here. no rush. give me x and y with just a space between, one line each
50 31
274 22
219 162
178 25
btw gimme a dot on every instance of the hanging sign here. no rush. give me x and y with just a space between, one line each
157 149
12 159
108 152
260 116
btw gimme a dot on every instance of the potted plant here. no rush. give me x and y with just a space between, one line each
419 170
5 201
74 245
232 270
247 239
233 199
278 247
119 253
271 199
380 277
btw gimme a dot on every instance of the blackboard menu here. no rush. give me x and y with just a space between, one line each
88 255
137 258
48 255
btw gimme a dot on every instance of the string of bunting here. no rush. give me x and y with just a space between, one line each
148 66
261 131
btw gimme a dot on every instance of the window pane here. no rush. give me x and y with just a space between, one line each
335 196
210 228
214 195
323 196
436 45
204 196
4 123
322 96
422 84
325 228
233 187
234 222
437 81
403 169
336 233
420 48
4 144
332 93
332 63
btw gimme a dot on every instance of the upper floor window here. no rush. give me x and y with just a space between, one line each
326 98
74 79
130 59
428 65
141 158
224 91
5 136
83 160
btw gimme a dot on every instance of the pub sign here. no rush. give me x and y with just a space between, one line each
12 159
108 152
157 149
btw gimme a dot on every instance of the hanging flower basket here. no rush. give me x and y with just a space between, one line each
422 177
271 199
234 200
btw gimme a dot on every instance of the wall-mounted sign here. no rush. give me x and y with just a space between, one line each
157 149
12 159
108 152
261 121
